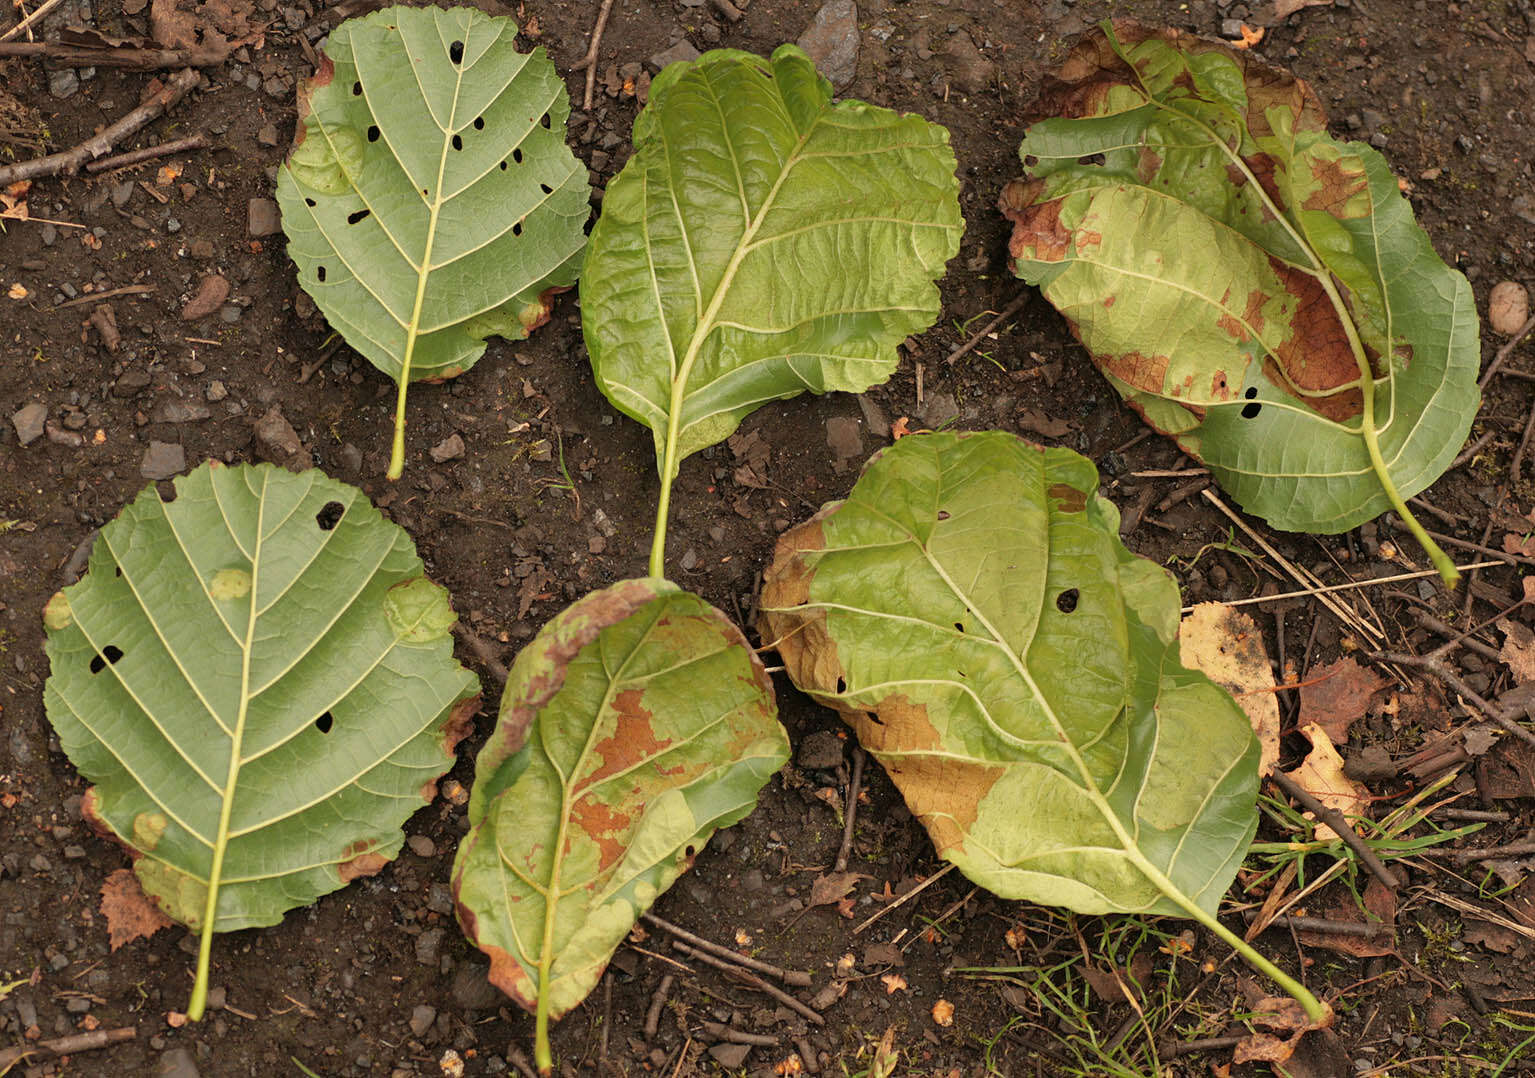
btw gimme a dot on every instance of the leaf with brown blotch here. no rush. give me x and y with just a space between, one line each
1226 646
129 912
1338 695
1255 288
634 725
1321 775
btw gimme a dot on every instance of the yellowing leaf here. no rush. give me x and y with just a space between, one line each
1321 775
1226 646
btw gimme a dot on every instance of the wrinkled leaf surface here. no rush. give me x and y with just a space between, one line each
636 723
260 683
430 200
1185 208
761 242
971 612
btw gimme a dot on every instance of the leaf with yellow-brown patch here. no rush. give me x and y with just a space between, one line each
1254 287
636 723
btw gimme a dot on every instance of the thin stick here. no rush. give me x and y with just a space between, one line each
68 162
1475 815
980 334
482 650
149 153
1325 926
64 1046
1504 352
1454 638
1461 905
26 23
589 61
1301 576
1351 585
752 979
93 297
1486 853
852 809
653 1013
1434 666
1478 548
954 908
1470 451
721 1032
799 980
128 57
1524 445
908 896
1174 1049
1334 819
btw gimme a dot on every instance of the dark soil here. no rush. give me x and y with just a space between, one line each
376 979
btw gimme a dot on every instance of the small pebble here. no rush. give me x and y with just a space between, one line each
421 845
421 1019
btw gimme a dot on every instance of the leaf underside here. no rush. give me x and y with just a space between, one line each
971 612
272 619
761 242
430 200
1147 217
636 723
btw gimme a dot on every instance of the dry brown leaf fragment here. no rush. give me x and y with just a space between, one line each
1338 695
18 291
1379 908
893 983
834 887
1249 38
1518 650
1225 645
129 912
943 1013
1321 775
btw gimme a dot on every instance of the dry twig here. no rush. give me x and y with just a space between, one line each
787 976
1334 819
852 809
66 1046
908 896
1503 718
754 981
129 57
980 334
149 153
68 162
1352 584
1325 926
26 24
1504 352
589 61
653 1012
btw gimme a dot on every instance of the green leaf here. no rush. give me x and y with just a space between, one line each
761 242
261 685
972 613
430 200
636 723
1253 286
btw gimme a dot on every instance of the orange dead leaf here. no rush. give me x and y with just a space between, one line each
893 983
943 1013
175 1019
1226 646
833 887
792 1065
899 429
168 174
18 291
1250 37
129 912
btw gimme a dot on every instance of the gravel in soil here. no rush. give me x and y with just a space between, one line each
207 349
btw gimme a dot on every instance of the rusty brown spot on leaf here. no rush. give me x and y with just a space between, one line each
460 723
1068 499
507 974
1315 354
359 859
1138 369
632 742
606 828
1341 180
130 913
1037 230
1147 164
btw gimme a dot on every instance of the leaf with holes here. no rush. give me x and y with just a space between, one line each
636 723
430 200
761 242
260 684
1254 287
972 613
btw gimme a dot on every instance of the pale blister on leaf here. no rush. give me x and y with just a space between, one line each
430 200
761 242
636 723
971 612
1186 211
229 680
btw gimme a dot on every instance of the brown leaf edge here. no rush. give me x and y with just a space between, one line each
130 913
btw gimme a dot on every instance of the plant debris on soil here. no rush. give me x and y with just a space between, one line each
151 319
